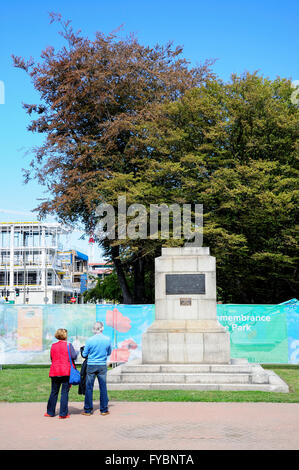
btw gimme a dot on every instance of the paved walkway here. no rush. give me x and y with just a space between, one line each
153 426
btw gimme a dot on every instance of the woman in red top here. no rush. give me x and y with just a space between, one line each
60 374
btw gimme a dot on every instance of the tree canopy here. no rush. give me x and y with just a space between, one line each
121 118
94 96
234 148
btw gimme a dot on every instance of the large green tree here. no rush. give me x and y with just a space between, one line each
234 148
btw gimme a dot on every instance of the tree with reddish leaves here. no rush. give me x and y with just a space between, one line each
94 97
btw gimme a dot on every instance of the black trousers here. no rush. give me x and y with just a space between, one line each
56 382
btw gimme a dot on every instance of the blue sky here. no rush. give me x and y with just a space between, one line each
242 35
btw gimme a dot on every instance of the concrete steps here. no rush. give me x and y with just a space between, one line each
195 387
226 377
187 368
183 378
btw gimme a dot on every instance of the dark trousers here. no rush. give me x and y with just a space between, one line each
64 398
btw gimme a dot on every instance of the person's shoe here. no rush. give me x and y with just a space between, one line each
104 413
64 417
48 416
85 414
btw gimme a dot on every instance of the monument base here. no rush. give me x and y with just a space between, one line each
239 375
186 342
186 348
185 330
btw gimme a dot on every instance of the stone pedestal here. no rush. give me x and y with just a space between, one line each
185 330
186 348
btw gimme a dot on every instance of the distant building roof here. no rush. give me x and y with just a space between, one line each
81 256
76 253
107 263
101 271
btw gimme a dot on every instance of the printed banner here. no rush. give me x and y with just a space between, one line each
83 283
27 331
292 313
125 324
259 333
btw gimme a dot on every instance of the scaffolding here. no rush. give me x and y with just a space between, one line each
29 259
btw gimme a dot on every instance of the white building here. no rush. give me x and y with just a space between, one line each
31 268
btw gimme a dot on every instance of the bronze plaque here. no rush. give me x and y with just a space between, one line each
185 284
186 301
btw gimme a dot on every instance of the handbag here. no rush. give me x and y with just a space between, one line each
75 377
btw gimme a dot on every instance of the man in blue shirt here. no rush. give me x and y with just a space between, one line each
97 349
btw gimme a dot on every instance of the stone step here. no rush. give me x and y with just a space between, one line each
237 376
196 387
168 378
187 368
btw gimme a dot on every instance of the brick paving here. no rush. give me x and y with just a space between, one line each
152 426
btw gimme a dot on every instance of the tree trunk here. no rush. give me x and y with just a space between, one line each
139 281
127 296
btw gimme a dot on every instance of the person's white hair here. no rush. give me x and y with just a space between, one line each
98 327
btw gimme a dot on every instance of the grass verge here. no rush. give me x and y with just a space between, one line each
32 384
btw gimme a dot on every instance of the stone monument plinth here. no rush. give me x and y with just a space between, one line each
185 330
186 348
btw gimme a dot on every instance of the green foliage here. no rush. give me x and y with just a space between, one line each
233 147
107 288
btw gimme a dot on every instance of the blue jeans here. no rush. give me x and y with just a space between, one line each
65 387
93 371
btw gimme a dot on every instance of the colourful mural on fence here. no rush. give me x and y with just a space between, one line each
125 325
259 333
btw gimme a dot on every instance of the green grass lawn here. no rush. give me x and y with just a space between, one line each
32 384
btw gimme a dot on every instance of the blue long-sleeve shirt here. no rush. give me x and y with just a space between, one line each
97 349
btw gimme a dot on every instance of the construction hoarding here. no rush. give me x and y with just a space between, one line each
259 333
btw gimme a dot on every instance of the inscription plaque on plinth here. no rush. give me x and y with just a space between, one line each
186 302
185 284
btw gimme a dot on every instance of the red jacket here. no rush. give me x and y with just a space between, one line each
60 360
